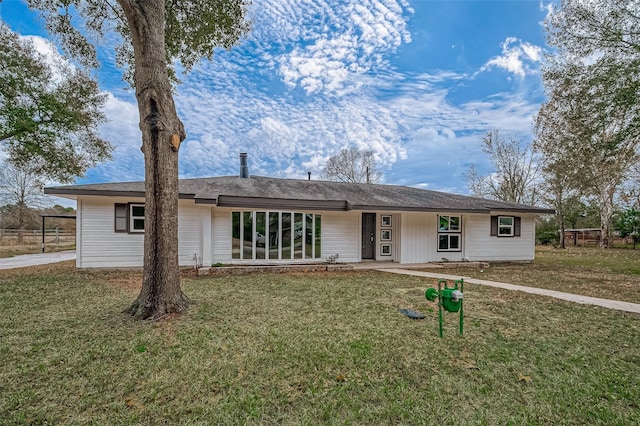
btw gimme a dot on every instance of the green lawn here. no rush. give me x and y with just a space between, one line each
608 274
316 348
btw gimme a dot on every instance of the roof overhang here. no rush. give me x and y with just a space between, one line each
417 209
276 203
75 192
539 211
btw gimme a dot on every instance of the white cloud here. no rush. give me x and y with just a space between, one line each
313 78
355 38
517 57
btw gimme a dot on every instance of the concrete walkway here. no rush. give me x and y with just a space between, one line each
586 300
26 260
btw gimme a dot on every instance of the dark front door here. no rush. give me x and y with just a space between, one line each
368 235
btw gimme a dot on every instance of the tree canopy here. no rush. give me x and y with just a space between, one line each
49 115
156 35
588 131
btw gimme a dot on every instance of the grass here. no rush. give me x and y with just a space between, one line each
10 248
315 348
608 274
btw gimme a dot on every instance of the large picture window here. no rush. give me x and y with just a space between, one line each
449 233
260 235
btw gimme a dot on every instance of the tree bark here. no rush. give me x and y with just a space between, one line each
606 213
162 133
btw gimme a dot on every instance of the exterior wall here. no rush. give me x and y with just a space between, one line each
221 235
419 239
395 237
480 245
341 235
101 247
205 232
190 235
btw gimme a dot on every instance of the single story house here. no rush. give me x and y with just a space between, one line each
260 220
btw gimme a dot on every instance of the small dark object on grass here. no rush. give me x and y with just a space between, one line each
411 313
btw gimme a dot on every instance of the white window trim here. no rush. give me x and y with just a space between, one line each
449 230
449 233
132 218
292 239
512 226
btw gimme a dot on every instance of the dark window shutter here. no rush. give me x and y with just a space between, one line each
494 226
121 217
516 226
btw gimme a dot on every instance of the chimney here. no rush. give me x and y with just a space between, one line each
309 173
244 168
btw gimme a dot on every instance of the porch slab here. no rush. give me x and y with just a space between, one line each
322 267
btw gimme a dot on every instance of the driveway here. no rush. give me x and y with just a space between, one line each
26 260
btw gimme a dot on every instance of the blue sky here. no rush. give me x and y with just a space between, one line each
418 82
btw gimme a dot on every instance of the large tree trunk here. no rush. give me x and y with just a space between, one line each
162 133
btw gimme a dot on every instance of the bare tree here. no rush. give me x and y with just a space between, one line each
20 192
353 165
515 171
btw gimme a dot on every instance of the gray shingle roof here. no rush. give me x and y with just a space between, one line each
265 192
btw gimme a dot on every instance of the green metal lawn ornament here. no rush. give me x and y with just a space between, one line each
449 298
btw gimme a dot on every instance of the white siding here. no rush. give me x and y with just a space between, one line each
418 238
341 235
79 234
395 237
414 237
189 234
102 247
221 235
480 245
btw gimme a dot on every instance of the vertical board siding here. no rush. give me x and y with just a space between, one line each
189 235
221 235
418 237
481 246
341 235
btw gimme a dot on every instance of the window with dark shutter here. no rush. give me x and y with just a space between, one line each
494 226
120 224
506 226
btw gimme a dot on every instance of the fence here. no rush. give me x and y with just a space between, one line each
56 236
